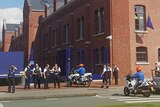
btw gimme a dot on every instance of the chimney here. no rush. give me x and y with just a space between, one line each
55 5
47 12
4 24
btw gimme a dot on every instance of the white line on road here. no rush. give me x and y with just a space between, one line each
139 99
1 105
5 101
49 99
98 96
142 101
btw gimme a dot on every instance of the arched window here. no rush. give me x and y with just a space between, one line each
141 54
140 18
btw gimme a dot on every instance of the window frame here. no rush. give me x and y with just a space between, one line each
140 18
141 54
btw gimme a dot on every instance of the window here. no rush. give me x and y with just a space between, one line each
54 38
80 28
99 55
46 41
141 54
140 20
81 54
158 54
99 21
66 33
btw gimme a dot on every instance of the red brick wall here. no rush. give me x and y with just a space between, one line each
150 39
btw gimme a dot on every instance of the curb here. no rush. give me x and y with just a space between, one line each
47 96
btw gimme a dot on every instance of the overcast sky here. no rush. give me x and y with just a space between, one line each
12 11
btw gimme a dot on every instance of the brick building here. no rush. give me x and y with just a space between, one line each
32 10
94 32
9 32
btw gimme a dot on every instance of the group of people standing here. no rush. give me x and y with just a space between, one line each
38 75
106 75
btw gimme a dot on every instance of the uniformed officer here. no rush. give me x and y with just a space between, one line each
56 71
115 73
27 76
11 78
46 73
37 72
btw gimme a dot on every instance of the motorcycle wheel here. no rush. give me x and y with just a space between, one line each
146 94
69 83
126 91
87 83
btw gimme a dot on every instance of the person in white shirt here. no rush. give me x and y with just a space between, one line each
46 73
56 69
104 77
37 72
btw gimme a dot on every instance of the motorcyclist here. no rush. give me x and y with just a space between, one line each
139 75
81 70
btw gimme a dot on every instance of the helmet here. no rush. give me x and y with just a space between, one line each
81 65
138 69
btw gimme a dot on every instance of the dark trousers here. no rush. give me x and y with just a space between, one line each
109 77
37 80
116 78
56 80
27 83
105 82
11 84
46 81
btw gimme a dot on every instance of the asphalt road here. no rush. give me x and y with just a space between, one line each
92 101
59 102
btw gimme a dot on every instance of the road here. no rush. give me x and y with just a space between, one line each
92 101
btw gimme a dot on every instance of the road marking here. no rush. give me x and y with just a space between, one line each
132 99
1 105
98 96
49 99
5 101
141 101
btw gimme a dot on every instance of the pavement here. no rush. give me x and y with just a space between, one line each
64 91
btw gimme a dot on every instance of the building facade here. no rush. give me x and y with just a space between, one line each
9 32
93 32
96 32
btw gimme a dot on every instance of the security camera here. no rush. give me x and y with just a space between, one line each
109 37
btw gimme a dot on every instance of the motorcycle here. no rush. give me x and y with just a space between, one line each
75 78
145 88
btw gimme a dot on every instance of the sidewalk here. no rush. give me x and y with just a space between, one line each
64 91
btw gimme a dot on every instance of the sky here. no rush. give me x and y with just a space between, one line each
12 11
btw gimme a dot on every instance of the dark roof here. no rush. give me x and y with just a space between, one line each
39 4
11 27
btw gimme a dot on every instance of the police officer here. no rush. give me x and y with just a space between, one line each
56 71
115 73
37 72
11 78
46 73
104 76
109 70
27 76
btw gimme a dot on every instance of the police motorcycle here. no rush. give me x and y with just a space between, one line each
145 88
76 79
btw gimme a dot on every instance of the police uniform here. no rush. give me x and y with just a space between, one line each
27 77
46 79
115 74
11 79
56 76
37 79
